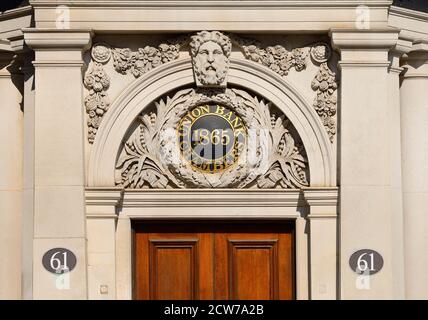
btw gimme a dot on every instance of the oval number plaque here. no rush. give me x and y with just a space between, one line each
59 260
366 261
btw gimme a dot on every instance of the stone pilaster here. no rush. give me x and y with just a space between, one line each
396 172
365 157
323 242
414 128
28 176
101 204
11 179
59 174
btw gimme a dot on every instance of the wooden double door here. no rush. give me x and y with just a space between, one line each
214 261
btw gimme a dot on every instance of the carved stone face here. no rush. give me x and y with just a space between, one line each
211 65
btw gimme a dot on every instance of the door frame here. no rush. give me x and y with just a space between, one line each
110 212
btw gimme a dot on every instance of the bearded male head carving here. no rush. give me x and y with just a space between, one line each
210 51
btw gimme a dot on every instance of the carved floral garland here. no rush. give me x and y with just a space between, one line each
150 157
144 60
277 58
97 101
124 60
280 60
325 102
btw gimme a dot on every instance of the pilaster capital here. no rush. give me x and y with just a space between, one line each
67 39
345 39
102 202
322 202
415 62
58 47
364 48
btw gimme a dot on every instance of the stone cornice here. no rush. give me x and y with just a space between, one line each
408 13
15 13
413 26
200 198
46 39
11 24
211 3
196 203
225 15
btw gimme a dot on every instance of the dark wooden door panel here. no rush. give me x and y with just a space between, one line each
214 261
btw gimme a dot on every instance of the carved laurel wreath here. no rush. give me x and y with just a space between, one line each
151 156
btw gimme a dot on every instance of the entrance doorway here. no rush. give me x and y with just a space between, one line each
211 260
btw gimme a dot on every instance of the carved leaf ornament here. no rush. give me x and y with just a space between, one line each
151 158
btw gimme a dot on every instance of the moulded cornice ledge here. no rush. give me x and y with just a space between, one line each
102 202
16 13
198 198
420 46
403 45
322 202
408 13
58 38
321 196
5 45
167 4
96 196
363 39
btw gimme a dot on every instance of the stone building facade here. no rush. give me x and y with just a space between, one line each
287 135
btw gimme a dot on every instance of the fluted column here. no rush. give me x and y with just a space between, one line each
59 171
414 137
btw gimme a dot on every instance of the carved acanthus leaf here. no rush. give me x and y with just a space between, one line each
139 163
287 163
151 159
